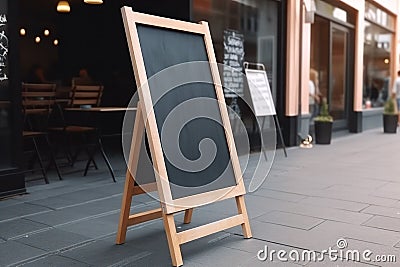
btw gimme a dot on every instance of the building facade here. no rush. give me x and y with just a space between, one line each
347 48
353 48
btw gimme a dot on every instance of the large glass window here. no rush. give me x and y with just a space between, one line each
377 56
256 21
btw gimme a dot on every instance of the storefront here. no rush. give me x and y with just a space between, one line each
93 36
379 56
351 47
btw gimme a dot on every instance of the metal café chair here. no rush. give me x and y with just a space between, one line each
37 103
85 97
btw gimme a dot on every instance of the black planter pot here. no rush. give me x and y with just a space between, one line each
323 132
390 123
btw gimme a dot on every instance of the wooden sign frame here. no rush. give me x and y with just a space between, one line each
145 119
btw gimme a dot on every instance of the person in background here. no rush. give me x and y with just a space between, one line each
36 75
314 94
83 78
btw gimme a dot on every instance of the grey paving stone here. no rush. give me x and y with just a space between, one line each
8 202
357 232
225 206
334 203
111 188
289 236
384 211
13 252
54 260
290 219
61 201
58 217
278 195
218 256
391 187
387 223
106 253
52 240
79 212
257 205
20 210
13 228
93 228
329 213
292 188
356 196
396 205
54 189
387 194
253 246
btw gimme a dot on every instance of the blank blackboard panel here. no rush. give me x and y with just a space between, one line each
162 48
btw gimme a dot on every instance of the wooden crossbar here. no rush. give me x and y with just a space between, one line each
208 229
144 216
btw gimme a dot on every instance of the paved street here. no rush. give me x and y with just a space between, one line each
348 190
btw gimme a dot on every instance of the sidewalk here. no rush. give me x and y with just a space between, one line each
347 190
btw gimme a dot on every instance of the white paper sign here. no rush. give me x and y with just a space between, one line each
260 92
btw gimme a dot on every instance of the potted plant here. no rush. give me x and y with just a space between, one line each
390 116
323 125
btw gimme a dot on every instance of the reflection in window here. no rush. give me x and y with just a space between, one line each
331 11
257 20
377 51
378 16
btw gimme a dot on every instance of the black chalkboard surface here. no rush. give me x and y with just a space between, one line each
163 48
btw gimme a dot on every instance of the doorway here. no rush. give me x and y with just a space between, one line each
330 57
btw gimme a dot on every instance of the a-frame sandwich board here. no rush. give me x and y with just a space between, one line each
180 42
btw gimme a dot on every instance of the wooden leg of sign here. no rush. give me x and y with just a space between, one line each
241 206
125 208
173 242
188 216
138 131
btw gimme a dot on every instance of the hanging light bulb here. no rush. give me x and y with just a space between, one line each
63 7
93 2
22 32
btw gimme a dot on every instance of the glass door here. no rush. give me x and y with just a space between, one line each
330 66
338 74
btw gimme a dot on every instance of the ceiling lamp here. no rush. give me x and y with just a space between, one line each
93 2
63 7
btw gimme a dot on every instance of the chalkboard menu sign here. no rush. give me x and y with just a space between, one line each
233 60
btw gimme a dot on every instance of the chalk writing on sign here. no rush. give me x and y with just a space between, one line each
3 48
233 58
